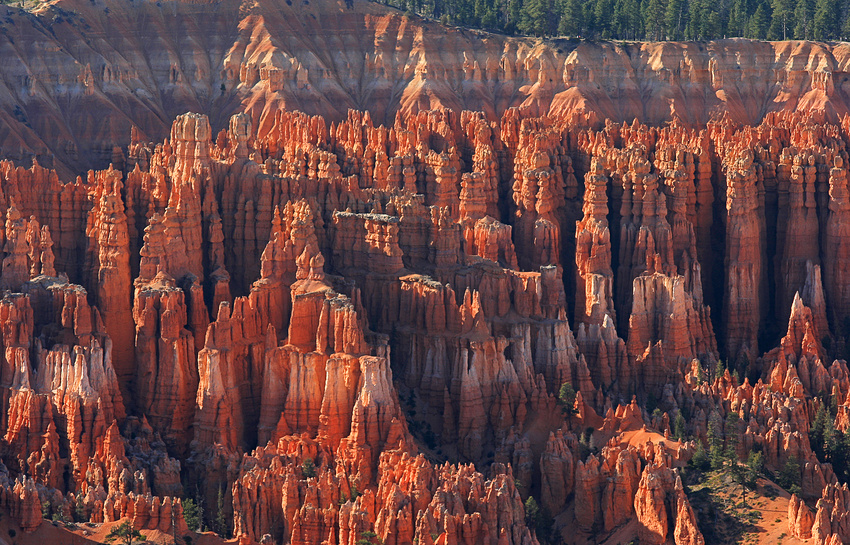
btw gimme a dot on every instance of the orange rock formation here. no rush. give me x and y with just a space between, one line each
361 322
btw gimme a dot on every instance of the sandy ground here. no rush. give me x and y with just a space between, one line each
764 519
57 533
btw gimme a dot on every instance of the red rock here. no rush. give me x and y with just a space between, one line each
557 472
21 500
742 313
800 518
588 492
391 291
802 230
663 311
15 265
646 239
619 493
491 240
831 517
191 140
109 241
652 504
166 373
685 531
835 270
594 283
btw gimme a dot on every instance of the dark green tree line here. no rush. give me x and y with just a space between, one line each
826 20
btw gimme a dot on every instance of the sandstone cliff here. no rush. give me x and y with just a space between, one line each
248 57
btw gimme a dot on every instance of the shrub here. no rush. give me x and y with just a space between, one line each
308 468
193 514
125 534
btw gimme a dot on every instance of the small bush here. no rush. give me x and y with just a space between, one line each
532 512
567 398
700 459
789 475
368 538
308 468
193 514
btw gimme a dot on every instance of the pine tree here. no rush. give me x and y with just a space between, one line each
222 528
124 533
480 9
603 12
831 439
491 19
733 436
626 20
533 19
465 12
589 18
694 22
781 21
654 19
760 22
567 397
700 459
308 468
789 475
755 466
715 445
645 19
817 432
803 13
551 18
368 537
720 367
532 512
845 28
826 20
193 514
679 426
737 25
572 19
619 24
839 455
710 21
514 16
631 9
674 18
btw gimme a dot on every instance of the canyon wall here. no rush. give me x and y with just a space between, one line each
79 75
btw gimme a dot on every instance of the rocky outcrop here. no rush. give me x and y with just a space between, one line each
800 518
744 278
831 517
166 370
557 471
835 240
109 246
686 531
20 498
594 283
655 500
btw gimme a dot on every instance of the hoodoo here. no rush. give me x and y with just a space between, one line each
324 273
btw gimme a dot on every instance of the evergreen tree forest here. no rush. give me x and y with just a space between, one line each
654 20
